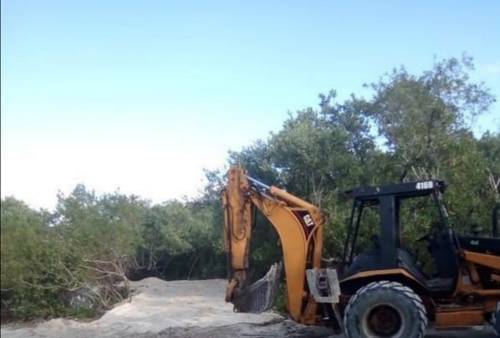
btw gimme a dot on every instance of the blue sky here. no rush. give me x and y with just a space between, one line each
142 95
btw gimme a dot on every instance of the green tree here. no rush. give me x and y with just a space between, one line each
420 116
36 265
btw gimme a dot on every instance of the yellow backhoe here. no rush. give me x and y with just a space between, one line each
376 292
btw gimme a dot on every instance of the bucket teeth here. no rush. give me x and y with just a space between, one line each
260 296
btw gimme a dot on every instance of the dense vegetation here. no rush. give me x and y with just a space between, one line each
412 127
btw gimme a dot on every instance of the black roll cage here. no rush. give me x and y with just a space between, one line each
388 199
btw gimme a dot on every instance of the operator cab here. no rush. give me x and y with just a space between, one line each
383 204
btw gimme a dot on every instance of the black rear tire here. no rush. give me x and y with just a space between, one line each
385 309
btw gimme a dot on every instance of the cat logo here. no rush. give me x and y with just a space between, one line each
308 220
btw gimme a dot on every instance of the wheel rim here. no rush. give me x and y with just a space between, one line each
383 320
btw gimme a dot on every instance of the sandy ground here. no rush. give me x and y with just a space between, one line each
184 309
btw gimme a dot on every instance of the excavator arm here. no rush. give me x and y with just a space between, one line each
299 225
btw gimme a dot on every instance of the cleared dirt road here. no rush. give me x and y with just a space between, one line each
184 309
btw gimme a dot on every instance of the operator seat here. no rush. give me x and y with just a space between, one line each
443 250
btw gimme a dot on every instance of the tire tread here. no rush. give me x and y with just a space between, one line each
400 288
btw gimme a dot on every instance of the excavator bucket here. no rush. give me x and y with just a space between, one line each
261 295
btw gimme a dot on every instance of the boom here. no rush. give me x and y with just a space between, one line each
299 225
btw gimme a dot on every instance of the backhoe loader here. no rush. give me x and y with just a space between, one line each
380 291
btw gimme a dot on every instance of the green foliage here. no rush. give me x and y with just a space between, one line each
179 237
89 221
35 263
92 242
420 117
